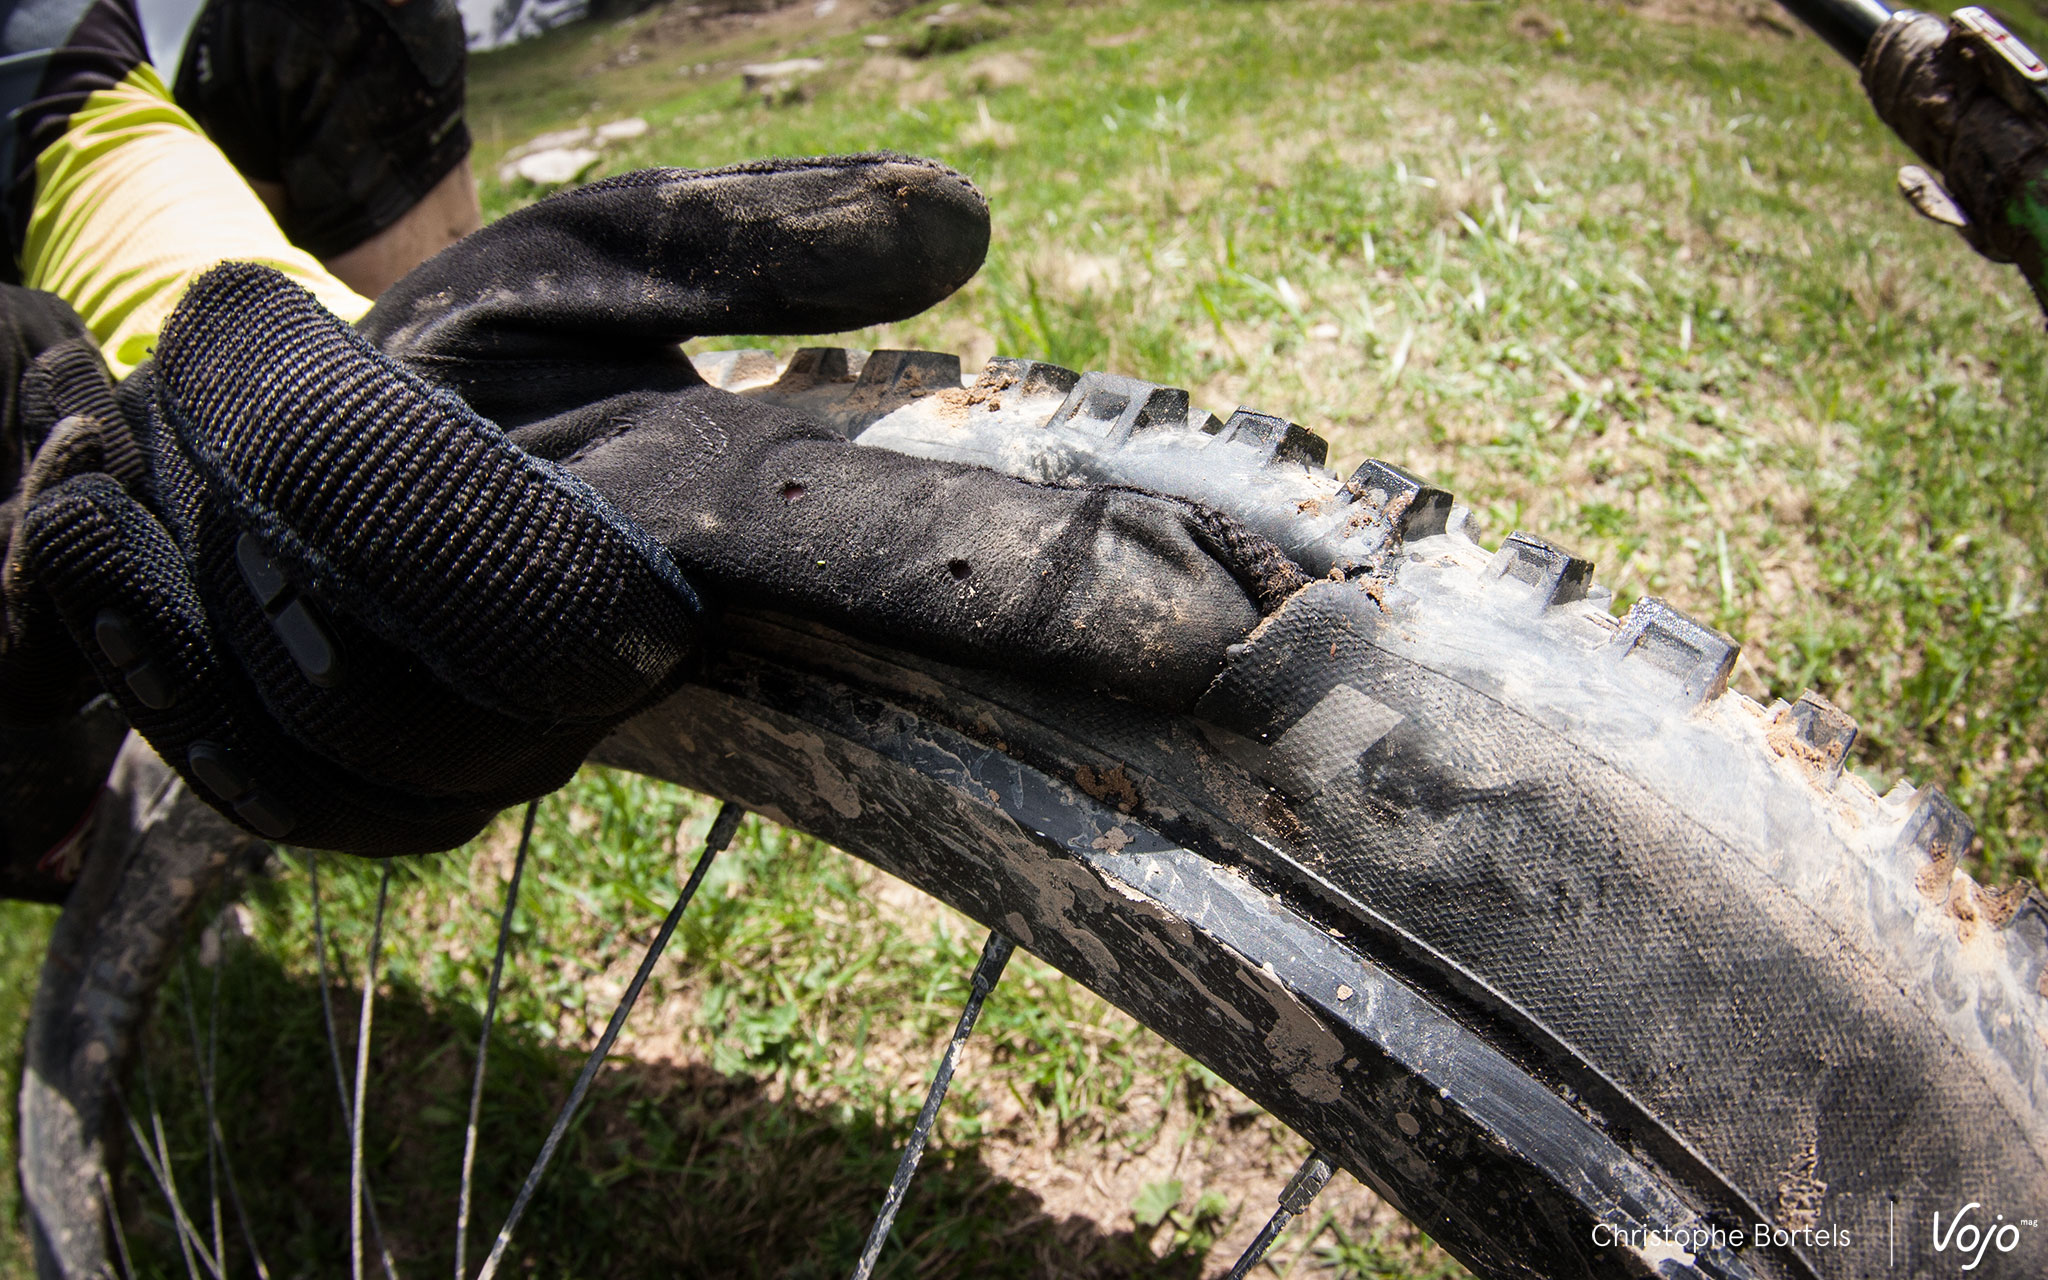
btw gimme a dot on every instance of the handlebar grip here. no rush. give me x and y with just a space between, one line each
1845 24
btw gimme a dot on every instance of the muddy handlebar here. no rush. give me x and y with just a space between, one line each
1847 25
1971 100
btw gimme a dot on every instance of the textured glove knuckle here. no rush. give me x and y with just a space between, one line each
413 516
121 643
292 616
222 773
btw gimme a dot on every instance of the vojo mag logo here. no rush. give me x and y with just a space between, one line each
1969 1237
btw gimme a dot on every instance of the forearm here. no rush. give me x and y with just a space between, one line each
133 203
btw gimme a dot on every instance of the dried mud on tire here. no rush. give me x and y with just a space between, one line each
1588 964
1727 985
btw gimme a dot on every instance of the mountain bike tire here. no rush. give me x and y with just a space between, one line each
1588 964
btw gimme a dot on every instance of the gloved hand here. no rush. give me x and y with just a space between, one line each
361 616
58 738
1956 98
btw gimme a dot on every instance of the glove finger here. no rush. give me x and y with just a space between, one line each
1996 169
120 586
1111 587
31 322
69 381
515 584
42 676
51 780
42 679
1911 83
586 294
122 589
1929 199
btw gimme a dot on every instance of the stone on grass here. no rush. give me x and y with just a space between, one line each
621 131
563 156
755 75
555 167
779 82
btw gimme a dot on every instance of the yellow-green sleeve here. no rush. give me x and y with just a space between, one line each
133 203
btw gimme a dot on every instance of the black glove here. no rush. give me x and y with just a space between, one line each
361 617
1957 101
58 737
560 323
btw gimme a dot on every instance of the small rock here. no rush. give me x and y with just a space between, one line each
234 924
556 167
955 27
577 137
759 75
878 41
561 157
621 131
1116 41
823 8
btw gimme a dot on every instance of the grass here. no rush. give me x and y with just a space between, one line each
1629 278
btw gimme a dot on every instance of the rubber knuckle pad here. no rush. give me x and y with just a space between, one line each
513 581
121 588
223 774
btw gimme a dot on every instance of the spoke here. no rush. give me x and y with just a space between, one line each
203 1060
1301 1189
356 1192
722 829
170 1178
483 1042
368 1201
216 1141
214 1153
995 953
326 1001
227 1166
114 1221
159 1170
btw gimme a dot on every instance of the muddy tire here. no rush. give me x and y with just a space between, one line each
1588 964
1508 902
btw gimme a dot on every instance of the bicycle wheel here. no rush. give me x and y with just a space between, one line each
1587 964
